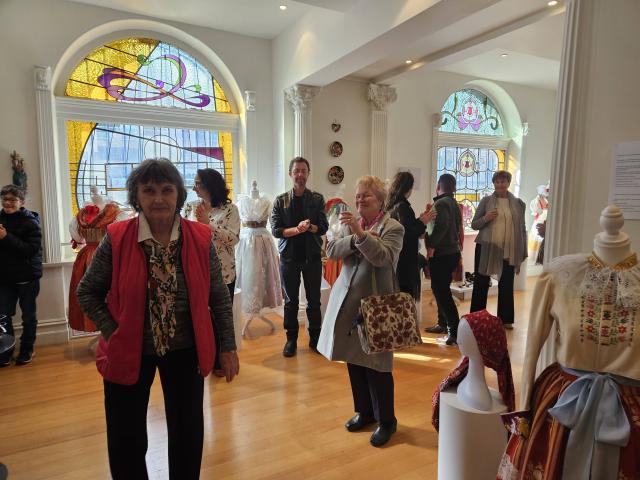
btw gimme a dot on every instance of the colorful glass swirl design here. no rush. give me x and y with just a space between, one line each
118 91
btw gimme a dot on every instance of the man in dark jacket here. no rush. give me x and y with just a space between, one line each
21 260
445 242
298 221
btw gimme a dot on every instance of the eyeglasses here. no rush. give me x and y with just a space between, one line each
197 183
10 200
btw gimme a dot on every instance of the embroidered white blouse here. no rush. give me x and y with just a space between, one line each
225 225
594 310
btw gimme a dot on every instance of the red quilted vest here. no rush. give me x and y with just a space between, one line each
118 360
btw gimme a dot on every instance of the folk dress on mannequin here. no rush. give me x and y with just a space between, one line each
581 417
538 208
257 263
334 207
87 229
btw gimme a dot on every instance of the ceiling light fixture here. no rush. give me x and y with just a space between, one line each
284 7
504 55
408 61
552 3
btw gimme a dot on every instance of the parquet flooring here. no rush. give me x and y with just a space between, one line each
280 419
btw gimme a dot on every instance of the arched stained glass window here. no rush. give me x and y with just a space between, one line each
471 112
470 124
142 71
146 71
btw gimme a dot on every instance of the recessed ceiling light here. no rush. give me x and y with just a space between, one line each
503 55
284 7
552 3
408 61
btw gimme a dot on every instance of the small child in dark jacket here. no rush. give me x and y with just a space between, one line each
21 260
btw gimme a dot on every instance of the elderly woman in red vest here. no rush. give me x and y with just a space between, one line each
155 291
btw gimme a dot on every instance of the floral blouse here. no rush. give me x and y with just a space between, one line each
225 225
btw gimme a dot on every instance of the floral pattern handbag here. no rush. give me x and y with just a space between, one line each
388 322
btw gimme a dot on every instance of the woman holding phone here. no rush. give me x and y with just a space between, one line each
501 246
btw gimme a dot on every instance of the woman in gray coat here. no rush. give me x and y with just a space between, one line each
369 245
501 246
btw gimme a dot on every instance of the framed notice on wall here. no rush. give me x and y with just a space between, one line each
625 179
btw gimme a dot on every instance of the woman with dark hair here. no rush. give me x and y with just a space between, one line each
144 291
501 246
216 210
399 208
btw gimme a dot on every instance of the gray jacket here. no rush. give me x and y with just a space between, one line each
377 255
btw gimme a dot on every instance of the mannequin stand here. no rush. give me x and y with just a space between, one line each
471 442
260 317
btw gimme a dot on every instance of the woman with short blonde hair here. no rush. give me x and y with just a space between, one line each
369 245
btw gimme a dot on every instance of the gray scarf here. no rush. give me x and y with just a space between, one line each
491 256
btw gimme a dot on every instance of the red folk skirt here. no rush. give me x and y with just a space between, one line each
77 319
537 444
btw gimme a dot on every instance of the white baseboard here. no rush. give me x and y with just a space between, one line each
51 331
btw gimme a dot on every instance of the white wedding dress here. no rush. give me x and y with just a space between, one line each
257 262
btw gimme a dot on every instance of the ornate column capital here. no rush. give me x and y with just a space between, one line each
301 96
381 95
250 100
42 77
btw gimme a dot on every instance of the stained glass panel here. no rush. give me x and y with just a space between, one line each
104 154
471 112
473 169
146 71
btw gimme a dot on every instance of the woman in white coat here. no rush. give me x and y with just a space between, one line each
369 245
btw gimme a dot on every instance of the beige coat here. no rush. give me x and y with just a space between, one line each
376 254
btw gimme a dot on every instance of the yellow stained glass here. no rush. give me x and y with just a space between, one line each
222 104
77 135
225 141
121 54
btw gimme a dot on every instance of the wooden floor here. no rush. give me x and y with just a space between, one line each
280 419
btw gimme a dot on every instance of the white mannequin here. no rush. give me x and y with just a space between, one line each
96 198
473 390
255 193
612 246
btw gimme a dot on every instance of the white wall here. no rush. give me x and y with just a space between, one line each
37 32
421 93
608 113
344 101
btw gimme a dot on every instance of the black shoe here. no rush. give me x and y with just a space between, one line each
383 433
25 357
5 362
436 329
358 422
290 348
313 345
451 340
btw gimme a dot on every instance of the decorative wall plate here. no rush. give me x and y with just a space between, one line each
336 174
335 126
335 149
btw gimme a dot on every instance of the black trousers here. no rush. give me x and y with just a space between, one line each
481 285
126 414
216 363
441 268
372 393
25 294
311 272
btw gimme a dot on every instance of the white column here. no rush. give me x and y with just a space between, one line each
379 96
301 98
563 235
48 171
251 162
